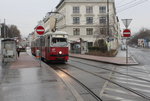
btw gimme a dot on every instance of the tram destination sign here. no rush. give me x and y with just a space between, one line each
40 30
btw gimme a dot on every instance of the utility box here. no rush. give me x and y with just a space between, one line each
8 49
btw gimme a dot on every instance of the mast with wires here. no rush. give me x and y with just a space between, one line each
5 36
108 18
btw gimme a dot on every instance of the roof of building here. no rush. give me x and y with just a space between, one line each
62 1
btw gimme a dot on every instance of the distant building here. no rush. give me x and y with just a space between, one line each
86 19
143 43
30 38
82 19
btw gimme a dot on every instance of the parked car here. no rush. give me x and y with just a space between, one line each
123 47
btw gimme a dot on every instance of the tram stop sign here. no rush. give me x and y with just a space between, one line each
40 30
126 33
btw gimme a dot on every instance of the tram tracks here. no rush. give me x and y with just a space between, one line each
96 97
120 84
111 71
104 78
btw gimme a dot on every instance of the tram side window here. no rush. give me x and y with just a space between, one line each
43 41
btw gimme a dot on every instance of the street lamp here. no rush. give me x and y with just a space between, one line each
0 30
108 17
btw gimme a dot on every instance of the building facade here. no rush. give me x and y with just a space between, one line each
87 19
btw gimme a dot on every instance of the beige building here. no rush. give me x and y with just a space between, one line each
86 19
82 19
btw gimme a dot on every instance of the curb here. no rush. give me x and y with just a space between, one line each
136 63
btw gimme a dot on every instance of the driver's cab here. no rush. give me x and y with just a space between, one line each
59 39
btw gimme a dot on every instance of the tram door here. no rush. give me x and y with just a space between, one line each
8 49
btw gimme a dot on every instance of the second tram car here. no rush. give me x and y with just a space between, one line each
53 46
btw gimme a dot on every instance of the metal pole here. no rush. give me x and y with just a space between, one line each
108 17
4 30
126 52
126 44
0 31
40 50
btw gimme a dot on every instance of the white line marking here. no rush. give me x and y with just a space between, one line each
132 83
120 91
128 79
142 90
116 97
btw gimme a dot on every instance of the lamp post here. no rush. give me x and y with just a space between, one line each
109 43
0 30
5 36
108 17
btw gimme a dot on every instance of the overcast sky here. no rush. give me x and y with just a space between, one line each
26 13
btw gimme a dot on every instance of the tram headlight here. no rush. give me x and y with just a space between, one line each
60 52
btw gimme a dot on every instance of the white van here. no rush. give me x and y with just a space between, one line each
123 47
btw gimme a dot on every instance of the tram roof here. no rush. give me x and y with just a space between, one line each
57 32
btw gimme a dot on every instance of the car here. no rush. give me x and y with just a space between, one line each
123 47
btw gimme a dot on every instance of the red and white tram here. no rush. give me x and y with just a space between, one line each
54 46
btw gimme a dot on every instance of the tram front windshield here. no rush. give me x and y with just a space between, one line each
59 42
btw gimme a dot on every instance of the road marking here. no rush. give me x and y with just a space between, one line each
106 83
146 70
120 91
128 79
71 88
132 83
142 90
116 98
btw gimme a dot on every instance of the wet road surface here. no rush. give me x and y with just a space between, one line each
109 91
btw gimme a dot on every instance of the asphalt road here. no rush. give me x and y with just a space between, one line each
141 55
107 90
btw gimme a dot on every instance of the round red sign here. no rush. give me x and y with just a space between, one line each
126 33
40 30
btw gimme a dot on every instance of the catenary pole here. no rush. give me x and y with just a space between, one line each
4 29
108 17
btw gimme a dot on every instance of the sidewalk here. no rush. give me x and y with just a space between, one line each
120 59
24 61
24 80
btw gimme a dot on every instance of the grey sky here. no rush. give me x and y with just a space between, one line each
26 13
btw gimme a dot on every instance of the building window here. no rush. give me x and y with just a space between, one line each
103 31
102 20
76 20
76 9
102 9
89 20
89 9
76 31
89 31
90 44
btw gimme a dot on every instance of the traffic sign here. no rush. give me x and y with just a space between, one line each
126 22
40 30
126 33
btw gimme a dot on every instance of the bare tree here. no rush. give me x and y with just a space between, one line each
142 34
14 32
10 31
